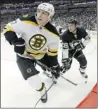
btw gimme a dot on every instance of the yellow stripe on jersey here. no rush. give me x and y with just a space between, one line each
53 50
35 52
29 22
34 55
51 32
7 28
52 54
38 55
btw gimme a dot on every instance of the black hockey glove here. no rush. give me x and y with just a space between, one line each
56 71
65 65
79 46
19 46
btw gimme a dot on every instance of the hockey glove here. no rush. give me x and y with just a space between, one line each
79 46
56 71
65 65
19 46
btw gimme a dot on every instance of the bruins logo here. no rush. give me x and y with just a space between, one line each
37 42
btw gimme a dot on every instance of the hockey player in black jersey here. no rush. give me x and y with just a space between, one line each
73 45
36 36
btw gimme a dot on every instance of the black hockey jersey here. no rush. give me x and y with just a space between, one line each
69 39
68 36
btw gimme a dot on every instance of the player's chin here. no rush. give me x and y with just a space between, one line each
40 22
70 30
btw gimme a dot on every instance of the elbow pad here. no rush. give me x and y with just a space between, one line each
11 37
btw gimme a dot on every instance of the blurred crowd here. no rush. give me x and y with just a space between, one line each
86 18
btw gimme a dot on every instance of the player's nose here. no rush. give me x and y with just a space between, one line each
39 14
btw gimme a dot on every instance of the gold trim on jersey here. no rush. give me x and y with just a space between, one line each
35 52
53 50
38 55
52 54
29 22
7 28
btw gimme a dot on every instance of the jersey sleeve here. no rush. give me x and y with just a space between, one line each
11 31
84 33
53 42
85 36
87 39
53 48
53 51
13 26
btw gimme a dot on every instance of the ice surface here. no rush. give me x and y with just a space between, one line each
15 91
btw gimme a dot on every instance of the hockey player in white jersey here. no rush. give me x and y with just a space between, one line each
73 45
36 36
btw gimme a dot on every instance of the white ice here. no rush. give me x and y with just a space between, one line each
16 93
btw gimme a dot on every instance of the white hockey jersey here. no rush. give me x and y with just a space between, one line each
38 40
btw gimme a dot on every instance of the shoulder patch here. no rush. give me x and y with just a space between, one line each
28 18
24 16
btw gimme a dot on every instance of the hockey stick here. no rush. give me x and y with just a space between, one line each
43 65
49 69
61 77
69 80
43 95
